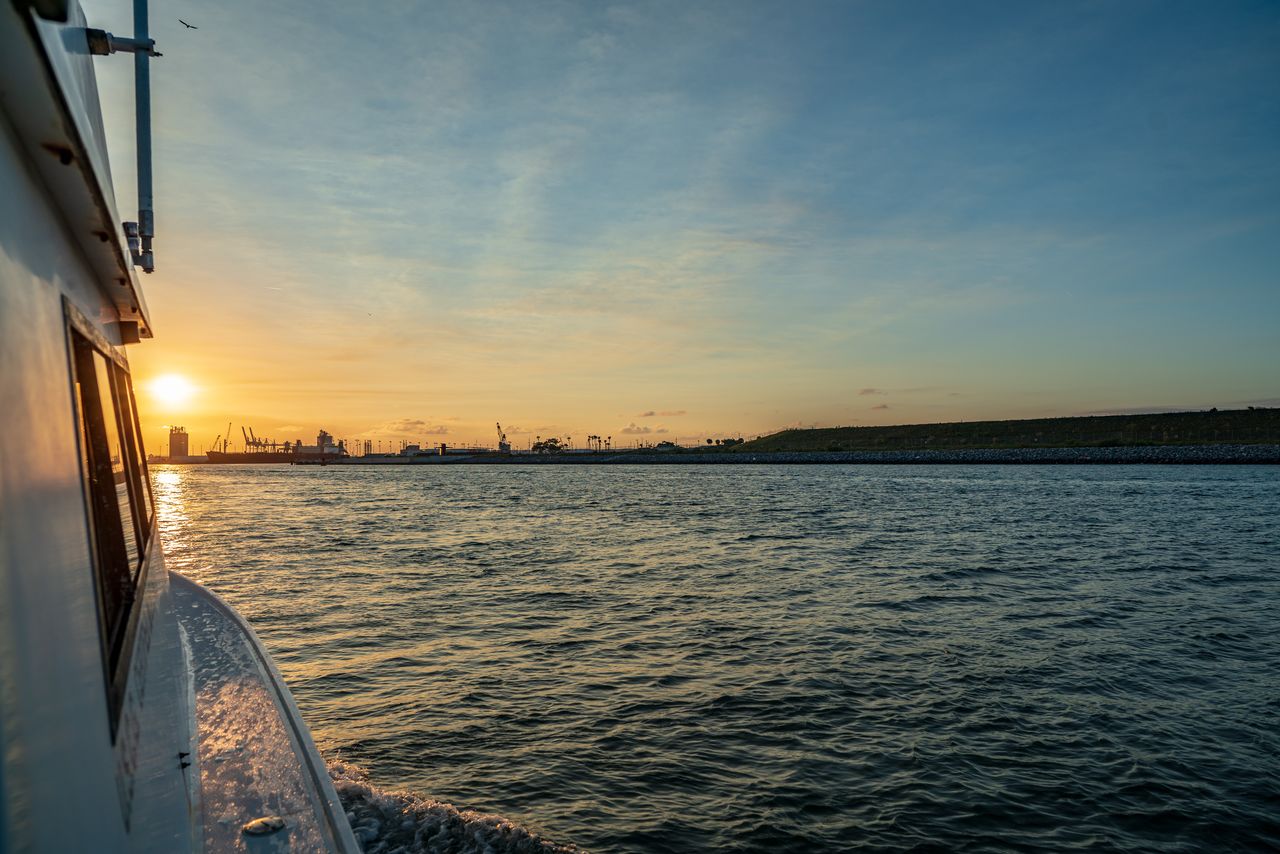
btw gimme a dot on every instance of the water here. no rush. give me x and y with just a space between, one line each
810 658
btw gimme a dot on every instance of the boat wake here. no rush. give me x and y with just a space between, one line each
404 823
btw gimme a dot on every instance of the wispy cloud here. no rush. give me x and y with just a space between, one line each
406 428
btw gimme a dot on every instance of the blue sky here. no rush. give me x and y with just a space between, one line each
564 215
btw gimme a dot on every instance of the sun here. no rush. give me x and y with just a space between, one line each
171 389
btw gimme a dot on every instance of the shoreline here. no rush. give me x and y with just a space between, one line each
1140 455
1147 455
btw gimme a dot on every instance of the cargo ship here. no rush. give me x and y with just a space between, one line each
250 456
325 450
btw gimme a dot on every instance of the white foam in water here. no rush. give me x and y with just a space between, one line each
404 823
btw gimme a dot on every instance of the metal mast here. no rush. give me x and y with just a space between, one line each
142 109
143 47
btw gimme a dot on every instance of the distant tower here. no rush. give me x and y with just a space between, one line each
368 447
178 446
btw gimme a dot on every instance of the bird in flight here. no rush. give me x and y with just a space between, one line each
188 26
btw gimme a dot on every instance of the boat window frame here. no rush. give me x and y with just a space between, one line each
143 471
105 528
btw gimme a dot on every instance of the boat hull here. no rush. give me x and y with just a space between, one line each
261 457
241 699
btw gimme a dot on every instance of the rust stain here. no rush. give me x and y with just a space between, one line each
63 152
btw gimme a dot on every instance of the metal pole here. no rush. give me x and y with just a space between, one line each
142 92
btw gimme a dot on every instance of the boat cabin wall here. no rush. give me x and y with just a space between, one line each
89 754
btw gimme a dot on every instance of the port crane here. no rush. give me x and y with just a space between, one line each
253 443
503 445
223 438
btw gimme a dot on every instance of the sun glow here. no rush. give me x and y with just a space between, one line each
171 389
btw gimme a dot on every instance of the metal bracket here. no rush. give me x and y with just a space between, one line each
133 235
103 43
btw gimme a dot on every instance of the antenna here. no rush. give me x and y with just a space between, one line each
143 47
142 96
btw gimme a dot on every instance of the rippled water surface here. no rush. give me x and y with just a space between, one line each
808 658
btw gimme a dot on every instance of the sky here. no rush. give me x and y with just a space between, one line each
669 221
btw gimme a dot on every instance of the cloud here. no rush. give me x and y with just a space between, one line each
881 406
598 45
866 391
649 414
671 413
632 430
406 428
661 430
664 413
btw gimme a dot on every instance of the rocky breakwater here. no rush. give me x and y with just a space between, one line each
1153 454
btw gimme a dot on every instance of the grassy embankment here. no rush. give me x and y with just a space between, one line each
1235 426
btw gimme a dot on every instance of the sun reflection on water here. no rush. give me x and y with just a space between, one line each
168 486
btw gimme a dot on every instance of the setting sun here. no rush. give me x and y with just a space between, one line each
171 389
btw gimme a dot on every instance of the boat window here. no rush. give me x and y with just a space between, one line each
140 478
117 457
119 502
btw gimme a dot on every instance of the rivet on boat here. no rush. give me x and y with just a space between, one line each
264 825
